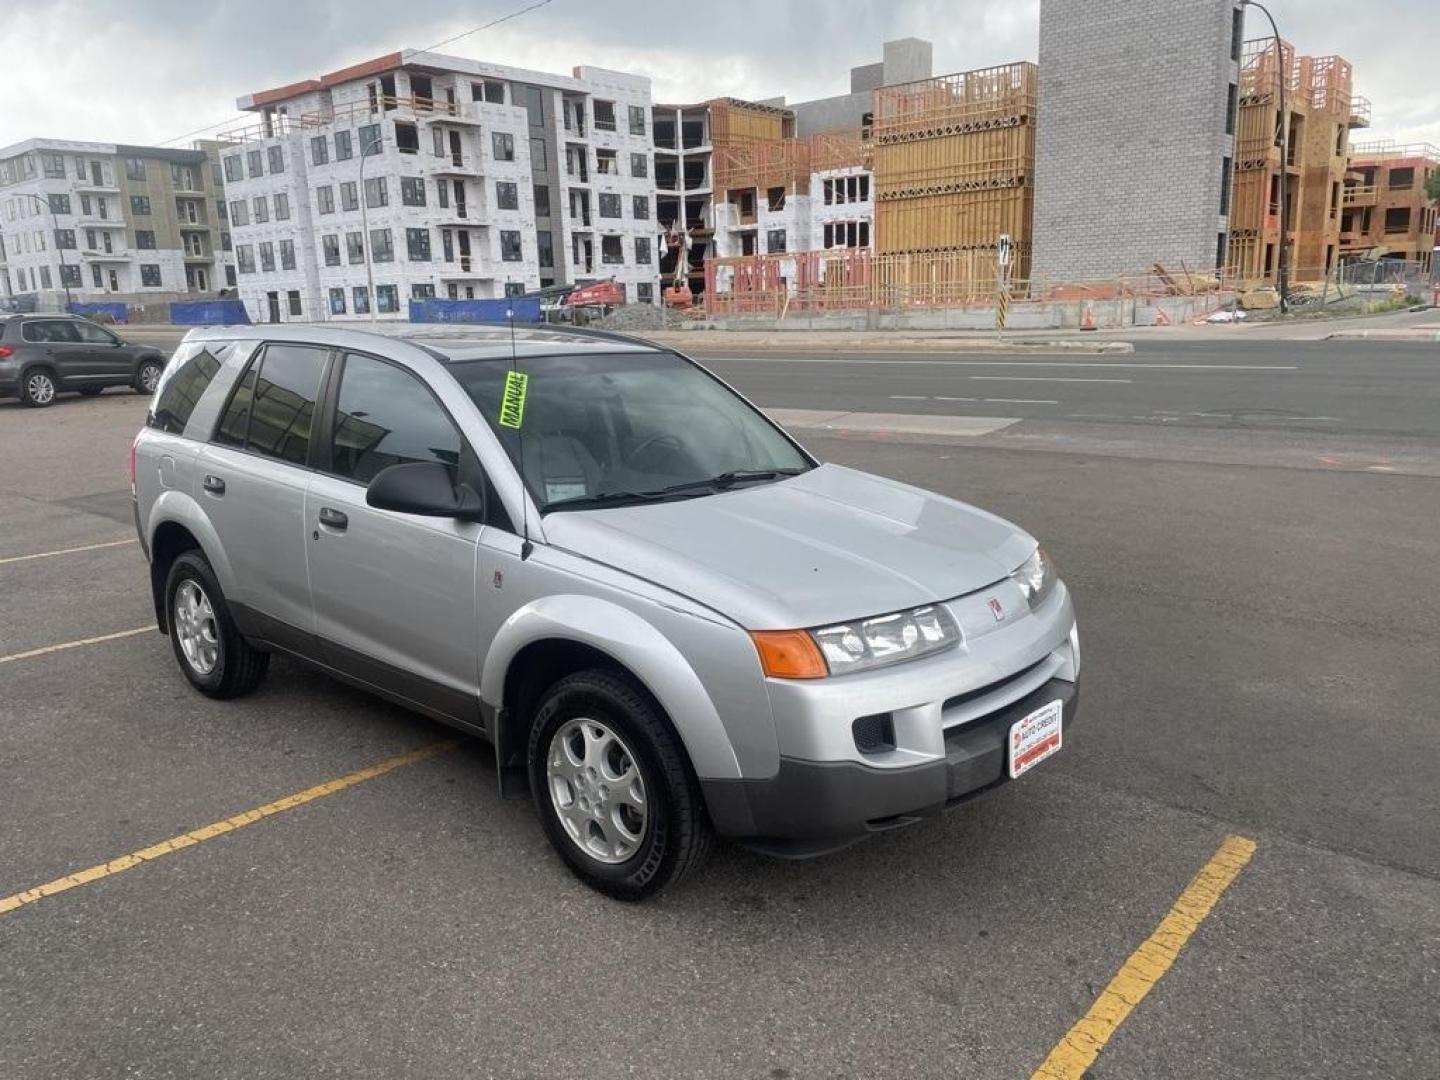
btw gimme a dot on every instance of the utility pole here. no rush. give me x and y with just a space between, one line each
373 146
55 237
1280 74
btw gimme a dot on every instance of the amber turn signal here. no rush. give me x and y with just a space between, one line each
789 654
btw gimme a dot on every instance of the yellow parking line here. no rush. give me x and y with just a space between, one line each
74 644
1077 1051
67 551
219 828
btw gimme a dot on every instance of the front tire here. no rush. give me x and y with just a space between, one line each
210 650
147 376
37 388
613 788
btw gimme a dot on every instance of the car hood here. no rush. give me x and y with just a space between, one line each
829 545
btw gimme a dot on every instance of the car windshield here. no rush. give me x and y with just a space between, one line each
616 428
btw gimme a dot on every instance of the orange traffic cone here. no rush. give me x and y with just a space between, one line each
1087 321
1161 319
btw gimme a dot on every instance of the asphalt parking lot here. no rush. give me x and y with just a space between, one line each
1230 871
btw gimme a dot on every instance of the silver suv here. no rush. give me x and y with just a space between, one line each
668 618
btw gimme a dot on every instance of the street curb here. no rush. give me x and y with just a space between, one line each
1384 335
687 342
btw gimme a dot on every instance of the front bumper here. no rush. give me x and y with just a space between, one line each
813 807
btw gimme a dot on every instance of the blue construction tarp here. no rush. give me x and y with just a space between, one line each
435 310
119 312
209 313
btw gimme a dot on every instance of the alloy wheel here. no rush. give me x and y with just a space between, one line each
150 377
40 387
195 628
597 790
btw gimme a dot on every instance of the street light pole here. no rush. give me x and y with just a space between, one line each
55 236
1284 275
365 149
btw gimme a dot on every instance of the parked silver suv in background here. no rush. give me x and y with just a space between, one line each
43 355
667 617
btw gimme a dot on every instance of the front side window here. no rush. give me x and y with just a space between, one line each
625 428
273 406
386 416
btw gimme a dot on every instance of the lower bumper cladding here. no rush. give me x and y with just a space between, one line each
812 807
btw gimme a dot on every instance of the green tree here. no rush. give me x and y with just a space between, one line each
1432 186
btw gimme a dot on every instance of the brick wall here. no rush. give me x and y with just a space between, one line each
1131 135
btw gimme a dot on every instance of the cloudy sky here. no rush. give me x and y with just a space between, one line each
149 71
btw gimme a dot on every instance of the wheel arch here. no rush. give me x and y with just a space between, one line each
555 636
177 525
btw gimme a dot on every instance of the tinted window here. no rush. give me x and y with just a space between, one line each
386 416
186 380
272 409
94 334
51 331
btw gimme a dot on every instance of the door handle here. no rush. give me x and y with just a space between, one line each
333 519
213 484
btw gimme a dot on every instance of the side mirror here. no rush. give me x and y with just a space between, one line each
425 488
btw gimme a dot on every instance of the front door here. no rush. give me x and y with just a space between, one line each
394 593
251 483
106 357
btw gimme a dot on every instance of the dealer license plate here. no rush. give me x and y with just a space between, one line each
1035 738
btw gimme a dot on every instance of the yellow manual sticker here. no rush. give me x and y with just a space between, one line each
512 404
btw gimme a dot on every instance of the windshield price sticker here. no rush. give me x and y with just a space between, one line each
512 403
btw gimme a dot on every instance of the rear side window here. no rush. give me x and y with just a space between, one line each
386 416
188 375
53 331
273 407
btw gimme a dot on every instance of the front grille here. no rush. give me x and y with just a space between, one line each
972 695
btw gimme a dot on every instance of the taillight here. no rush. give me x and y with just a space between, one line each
6 351
133 445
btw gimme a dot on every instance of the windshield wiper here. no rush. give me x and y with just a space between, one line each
606 498
729 479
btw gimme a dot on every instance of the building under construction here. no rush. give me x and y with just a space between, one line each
906 210
1387 212
1309 146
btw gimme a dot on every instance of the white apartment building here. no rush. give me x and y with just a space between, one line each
109 222
479 181
836 211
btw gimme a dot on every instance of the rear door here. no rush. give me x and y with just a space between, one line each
58 343
251 482
394 593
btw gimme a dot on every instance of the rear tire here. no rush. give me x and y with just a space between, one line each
210 650
38 388
613 787
147 376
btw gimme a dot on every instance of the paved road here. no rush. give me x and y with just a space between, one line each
1260 631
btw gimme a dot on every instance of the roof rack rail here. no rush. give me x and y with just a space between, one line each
598 335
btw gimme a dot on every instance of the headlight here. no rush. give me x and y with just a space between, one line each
1036 578
886 639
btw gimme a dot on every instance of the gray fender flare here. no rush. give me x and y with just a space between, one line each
632 642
